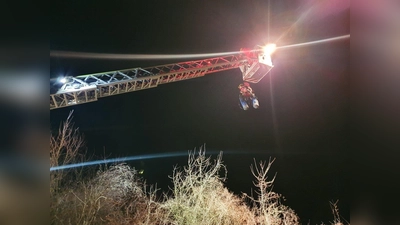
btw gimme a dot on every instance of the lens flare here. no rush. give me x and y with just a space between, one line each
122 159
269 49
130 158
315 42
111 56
63 80
152 156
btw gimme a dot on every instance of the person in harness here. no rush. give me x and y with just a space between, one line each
246 95
246 90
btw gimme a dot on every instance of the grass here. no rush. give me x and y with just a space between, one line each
117 195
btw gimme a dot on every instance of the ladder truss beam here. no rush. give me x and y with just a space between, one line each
88 88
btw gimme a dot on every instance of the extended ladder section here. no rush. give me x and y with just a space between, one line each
88 88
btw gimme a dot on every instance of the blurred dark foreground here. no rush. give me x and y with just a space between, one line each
24 134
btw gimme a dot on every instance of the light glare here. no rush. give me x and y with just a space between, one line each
269 49
63 80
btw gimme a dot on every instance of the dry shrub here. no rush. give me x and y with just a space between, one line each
114 196
79 205
199 196
129 199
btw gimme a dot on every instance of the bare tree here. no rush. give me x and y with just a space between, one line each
64 149
335 212
268 208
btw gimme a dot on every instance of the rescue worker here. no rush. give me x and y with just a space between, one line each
245 90
246 95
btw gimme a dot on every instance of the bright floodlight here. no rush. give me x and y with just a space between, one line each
63 80
269 49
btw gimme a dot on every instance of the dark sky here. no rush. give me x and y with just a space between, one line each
302 120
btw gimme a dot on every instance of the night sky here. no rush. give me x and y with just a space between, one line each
303 114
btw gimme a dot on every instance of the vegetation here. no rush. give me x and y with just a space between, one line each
65 147
116 194
199 195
